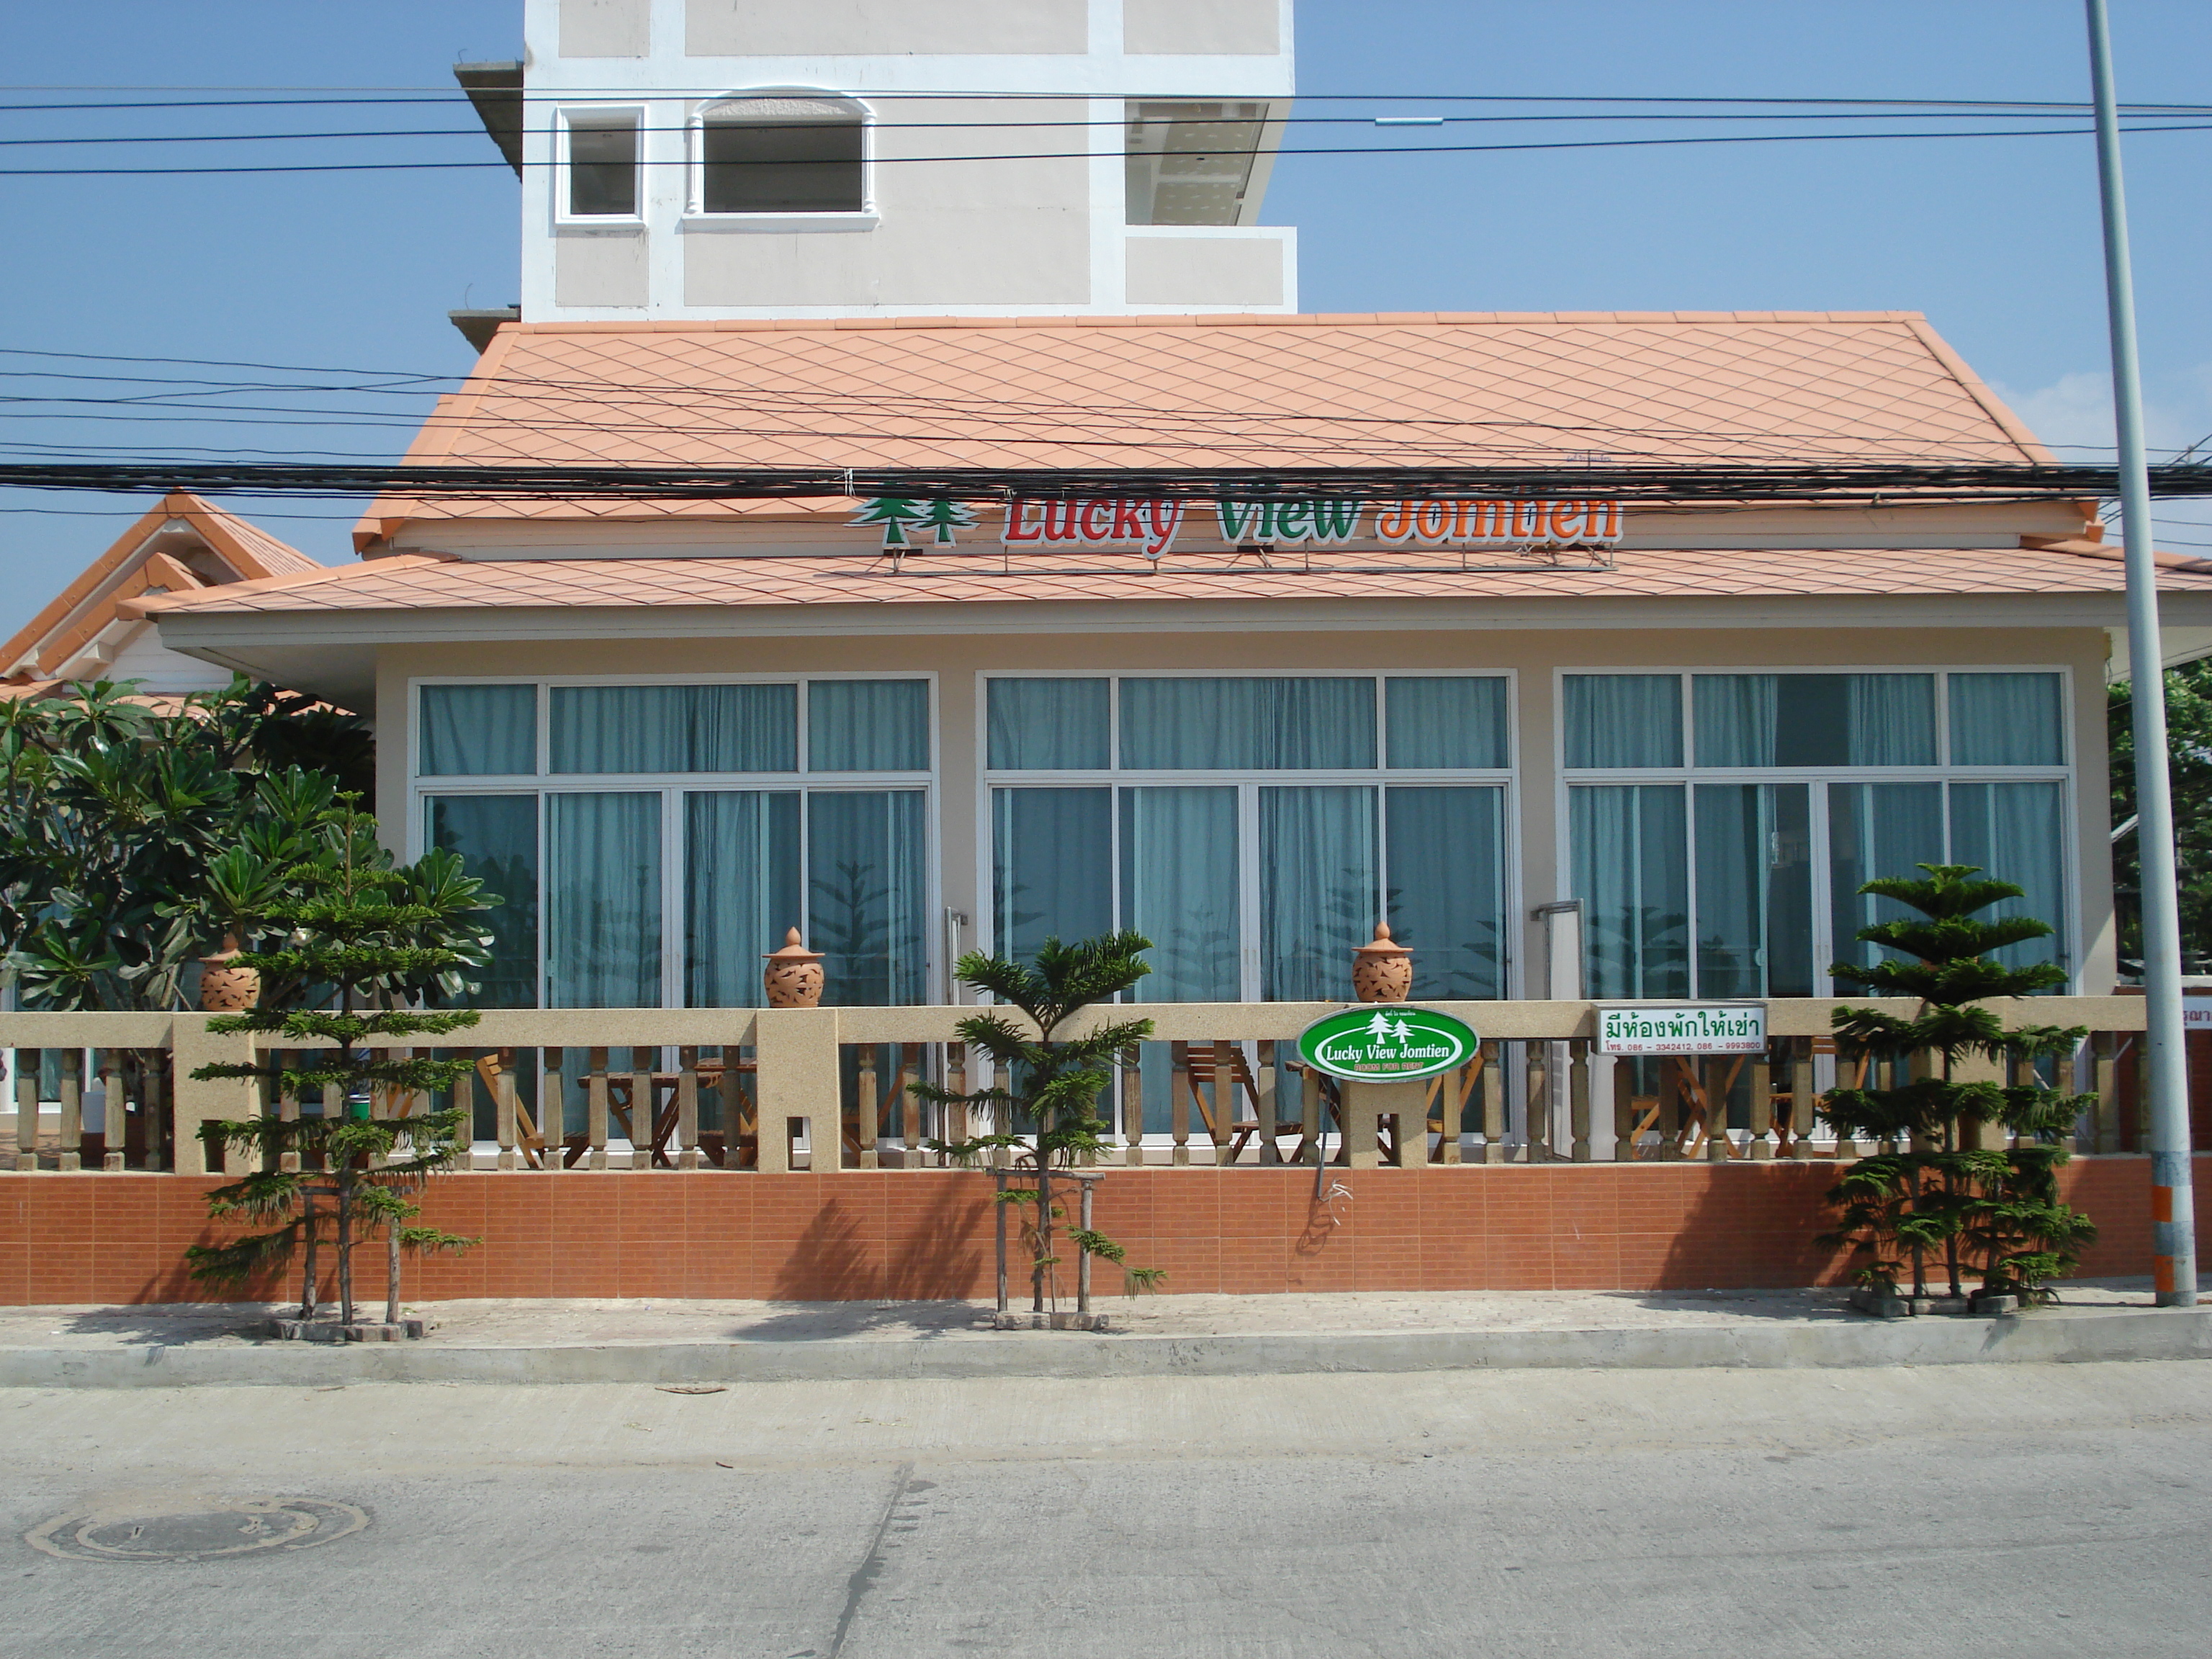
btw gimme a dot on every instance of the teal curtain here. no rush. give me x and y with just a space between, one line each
1052 867
2016 832
740 890
1049 725
1876 829
1179 889
1624 719
1815 719
1301 724
1891 720
602 900
2007 719
867 894
1629 854
1446 848
867 725
1318 882
496 837
601 729
1446 722
477 730
1734 716
1754 926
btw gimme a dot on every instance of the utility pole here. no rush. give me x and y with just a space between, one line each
2173 1230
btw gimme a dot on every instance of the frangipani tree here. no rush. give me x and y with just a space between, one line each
1051 1081
1994 1211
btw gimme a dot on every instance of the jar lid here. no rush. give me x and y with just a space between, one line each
793 950
1383 944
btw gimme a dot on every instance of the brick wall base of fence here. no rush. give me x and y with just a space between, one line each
868 1235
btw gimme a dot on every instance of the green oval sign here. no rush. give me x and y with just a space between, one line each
1387 1042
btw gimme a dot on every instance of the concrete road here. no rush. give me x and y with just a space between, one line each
1967 1510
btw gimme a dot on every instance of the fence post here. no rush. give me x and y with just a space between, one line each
28 1064
1801 1096
1132 1108
796 1052
197 1102
1578 1099
1762 1103
1493 1102
595 1105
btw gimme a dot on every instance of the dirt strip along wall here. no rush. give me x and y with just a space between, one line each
911 1235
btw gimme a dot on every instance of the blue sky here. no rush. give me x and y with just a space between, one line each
1996 239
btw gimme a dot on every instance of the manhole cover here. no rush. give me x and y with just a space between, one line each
196 1529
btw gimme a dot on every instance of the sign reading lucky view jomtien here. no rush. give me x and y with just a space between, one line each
1150 525
1704 1028
1382 1043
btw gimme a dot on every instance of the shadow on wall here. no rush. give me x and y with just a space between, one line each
932 1253
1754 1227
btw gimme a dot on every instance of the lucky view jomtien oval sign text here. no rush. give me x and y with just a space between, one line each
1386 1043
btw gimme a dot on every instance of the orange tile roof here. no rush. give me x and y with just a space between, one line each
406 585
1233 391
131 567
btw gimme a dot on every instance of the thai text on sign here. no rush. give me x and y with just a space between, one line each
1732 1028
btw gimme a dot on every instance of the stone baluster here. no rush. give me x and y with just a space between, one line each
1179 1103
503 1104
1578 1099
1132 1108
867 1112
70 1142
288 1106
910 1130
1624 1109
553 1114
955 1082
1225 1099
1536 1113
1310 1114
114 1109
1801 1096
2069 1083
643 1106
1493 1102
1263 1103
1718 1150
154 1107
595 1106
687 1109
28 1062
1762 1106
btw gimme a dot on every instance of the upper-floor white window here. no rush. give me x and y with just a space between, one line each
599 160
778 153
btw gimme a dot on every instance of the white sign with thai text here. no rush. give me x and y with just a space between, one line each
1690 1027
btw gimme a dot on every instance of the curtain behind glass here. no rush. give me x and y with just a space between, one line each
496 837
1441 721
1624 719
2007 719
1258 724
868 876
1734 717
602 900
1877 830
2016 832
740 890
1049 725
1179 889
867 725
1755 928
478 731
1446 853
1052 867
1891 720
1318 879
1629 854
601 729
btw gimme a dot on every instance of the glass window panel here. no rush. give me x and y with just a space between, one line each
1876 830
1629 849
1624 719
1052 867
1179 887
740 890
2016 832
2007 719
1735 717
1891 720
1446 722
867 725
868 885
674 728
1049 725
1754 889
478 731
788 167
602 169
496 837
1247 725
1446 857
602 900
1317 890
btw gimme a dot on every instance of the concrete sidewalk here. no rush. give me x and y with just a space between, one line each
520 1341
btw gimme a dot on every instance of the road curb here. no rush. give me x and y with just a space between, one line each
2044 1337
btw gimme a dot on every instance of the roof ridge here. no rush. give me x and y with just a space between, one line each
1197 319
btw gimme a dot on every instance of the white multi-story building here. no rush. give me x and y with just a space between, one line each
696 159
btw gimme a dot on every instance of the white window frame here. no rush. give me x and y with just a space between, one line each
566 120
1825 946
1249 782
695 217
672 786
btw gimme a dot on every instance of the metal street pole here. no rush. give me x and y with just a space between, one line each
2173 1247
